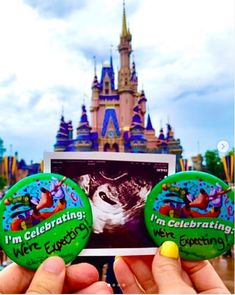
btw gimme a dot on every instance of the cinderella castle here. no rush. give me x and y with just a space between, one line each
119 121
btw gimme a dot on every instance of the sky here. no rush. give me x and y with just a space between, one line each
184 55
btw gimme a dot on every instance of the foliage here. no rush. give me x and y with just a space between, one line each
214 164
2 182
232 152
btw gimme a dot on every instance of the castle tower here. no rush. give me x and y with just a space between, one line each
64 137
174 146
142 105
95 100
162 143
125 85
134 78
137 138
83 142
150 135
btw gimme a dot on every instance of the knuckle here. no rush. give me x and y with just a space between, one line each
39 289
167 267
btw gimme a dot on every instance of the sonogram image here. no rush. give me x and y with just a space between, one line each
115 201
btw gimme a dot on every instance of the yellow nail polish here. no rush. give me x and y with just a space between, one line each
169 249
117 257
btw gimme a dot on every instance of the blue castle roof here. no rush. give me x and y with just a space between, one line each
142 97
108 69
95 83
161 135
170 132
136 119
137 140
149 125
84 124
86 140
64 135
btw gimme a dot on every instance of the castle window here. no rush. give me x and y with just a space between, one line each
106 87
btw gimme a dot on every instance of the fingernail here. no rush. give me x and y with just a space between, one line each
117 257
169 249
54 265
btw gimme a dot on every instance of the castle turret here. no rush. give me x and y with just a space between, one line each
150 136
142 104
162 143
170 132
137 139
134 78
83 142
64 137
174 146
107 83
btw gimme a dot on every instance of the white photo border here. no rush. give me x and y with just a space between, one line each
169 159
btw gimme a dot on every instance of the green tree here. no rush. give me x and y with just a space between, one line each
2 182
213 164
232 152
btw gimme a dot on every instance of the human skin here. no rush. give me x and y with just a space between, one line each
166 273
52 277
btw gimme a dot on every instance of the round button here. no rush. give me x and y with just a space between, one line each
223 146
44 215
195 210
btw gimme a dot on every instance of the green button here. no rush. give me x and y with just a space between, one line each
44 215
195 210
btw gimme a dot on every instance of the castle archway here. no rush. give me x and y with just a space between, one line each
106 147
115 147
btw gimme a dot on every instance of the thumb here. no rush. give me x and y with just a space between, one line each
167 270
49 278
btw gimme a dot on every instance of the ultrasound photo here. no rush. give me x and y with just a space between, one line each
117 190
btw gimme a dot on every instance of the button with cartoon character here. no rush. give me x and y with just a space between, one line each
195 210
43 215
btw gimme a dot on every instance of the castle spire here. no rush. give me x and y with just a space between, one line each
111 56
95 83
62 110
149 125
124 26
94 57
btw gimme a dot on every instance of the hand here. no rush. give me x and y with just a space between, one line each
165 273
52 277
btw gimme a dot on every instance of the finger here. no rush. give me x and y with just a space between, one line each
204 277
15 279
125 277
141 267
167 271
49 278
79 276
97 288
